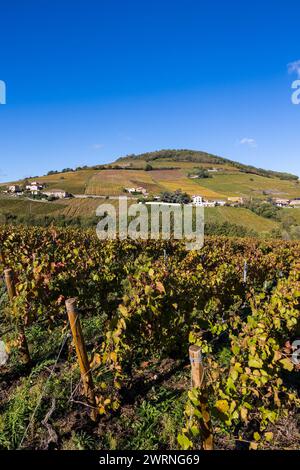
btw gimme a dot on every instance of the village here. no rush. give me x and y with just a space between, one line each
38 189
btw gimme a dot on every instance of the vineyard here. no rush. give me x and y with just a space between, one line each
141 306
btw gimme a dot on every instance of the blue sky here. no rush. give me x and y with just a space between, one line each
88 81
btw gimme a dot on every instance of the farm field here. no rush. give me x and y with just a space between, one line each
113 182
240 216
141 306
294 213
221 184
248 185
86 207
170 172
72 182
20 206
171 180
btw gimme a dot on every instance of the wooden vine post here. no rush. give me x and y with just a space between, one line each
198 381
86 375
2 257
2 261
11 290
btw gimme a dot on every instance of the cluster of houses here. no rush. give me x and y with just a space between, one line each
201 202
287 202
36 188
237 201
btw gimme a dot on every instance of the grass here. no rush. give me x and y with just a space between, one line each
76 207
74 181
151 422
113 182
247 185
168 163
228 181
240 216
171 180
26 207
288 213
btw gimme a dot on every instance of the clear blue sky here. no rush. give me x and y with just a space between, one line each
91 80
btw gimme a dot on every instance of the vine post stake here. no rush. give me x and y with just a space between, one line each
2 257
245 272
198 381
11 290
86 374
2 261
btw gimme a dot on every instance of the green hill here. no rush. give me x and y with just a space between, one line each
169 170
166 170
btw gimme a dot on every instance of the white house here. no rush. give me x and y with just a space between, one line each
56 193
138 190
197 201
14 188
200 202
34 187
282 202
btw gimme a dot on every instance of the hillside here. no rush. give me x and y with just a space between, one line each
157 172
84 209
169 170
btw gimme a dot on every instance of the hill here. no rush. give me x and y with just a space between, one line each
157 172
169 170
81 212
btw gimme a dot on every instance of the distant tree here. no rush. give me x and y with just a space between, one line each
148 167
200 173
263 208
176 197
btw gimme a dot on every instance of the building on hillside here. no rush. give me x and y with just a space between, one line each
209 203
282 202
236 200
295 203
142 190
197 201
200 202
57 193
34 187
14 188
138 190
220 203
